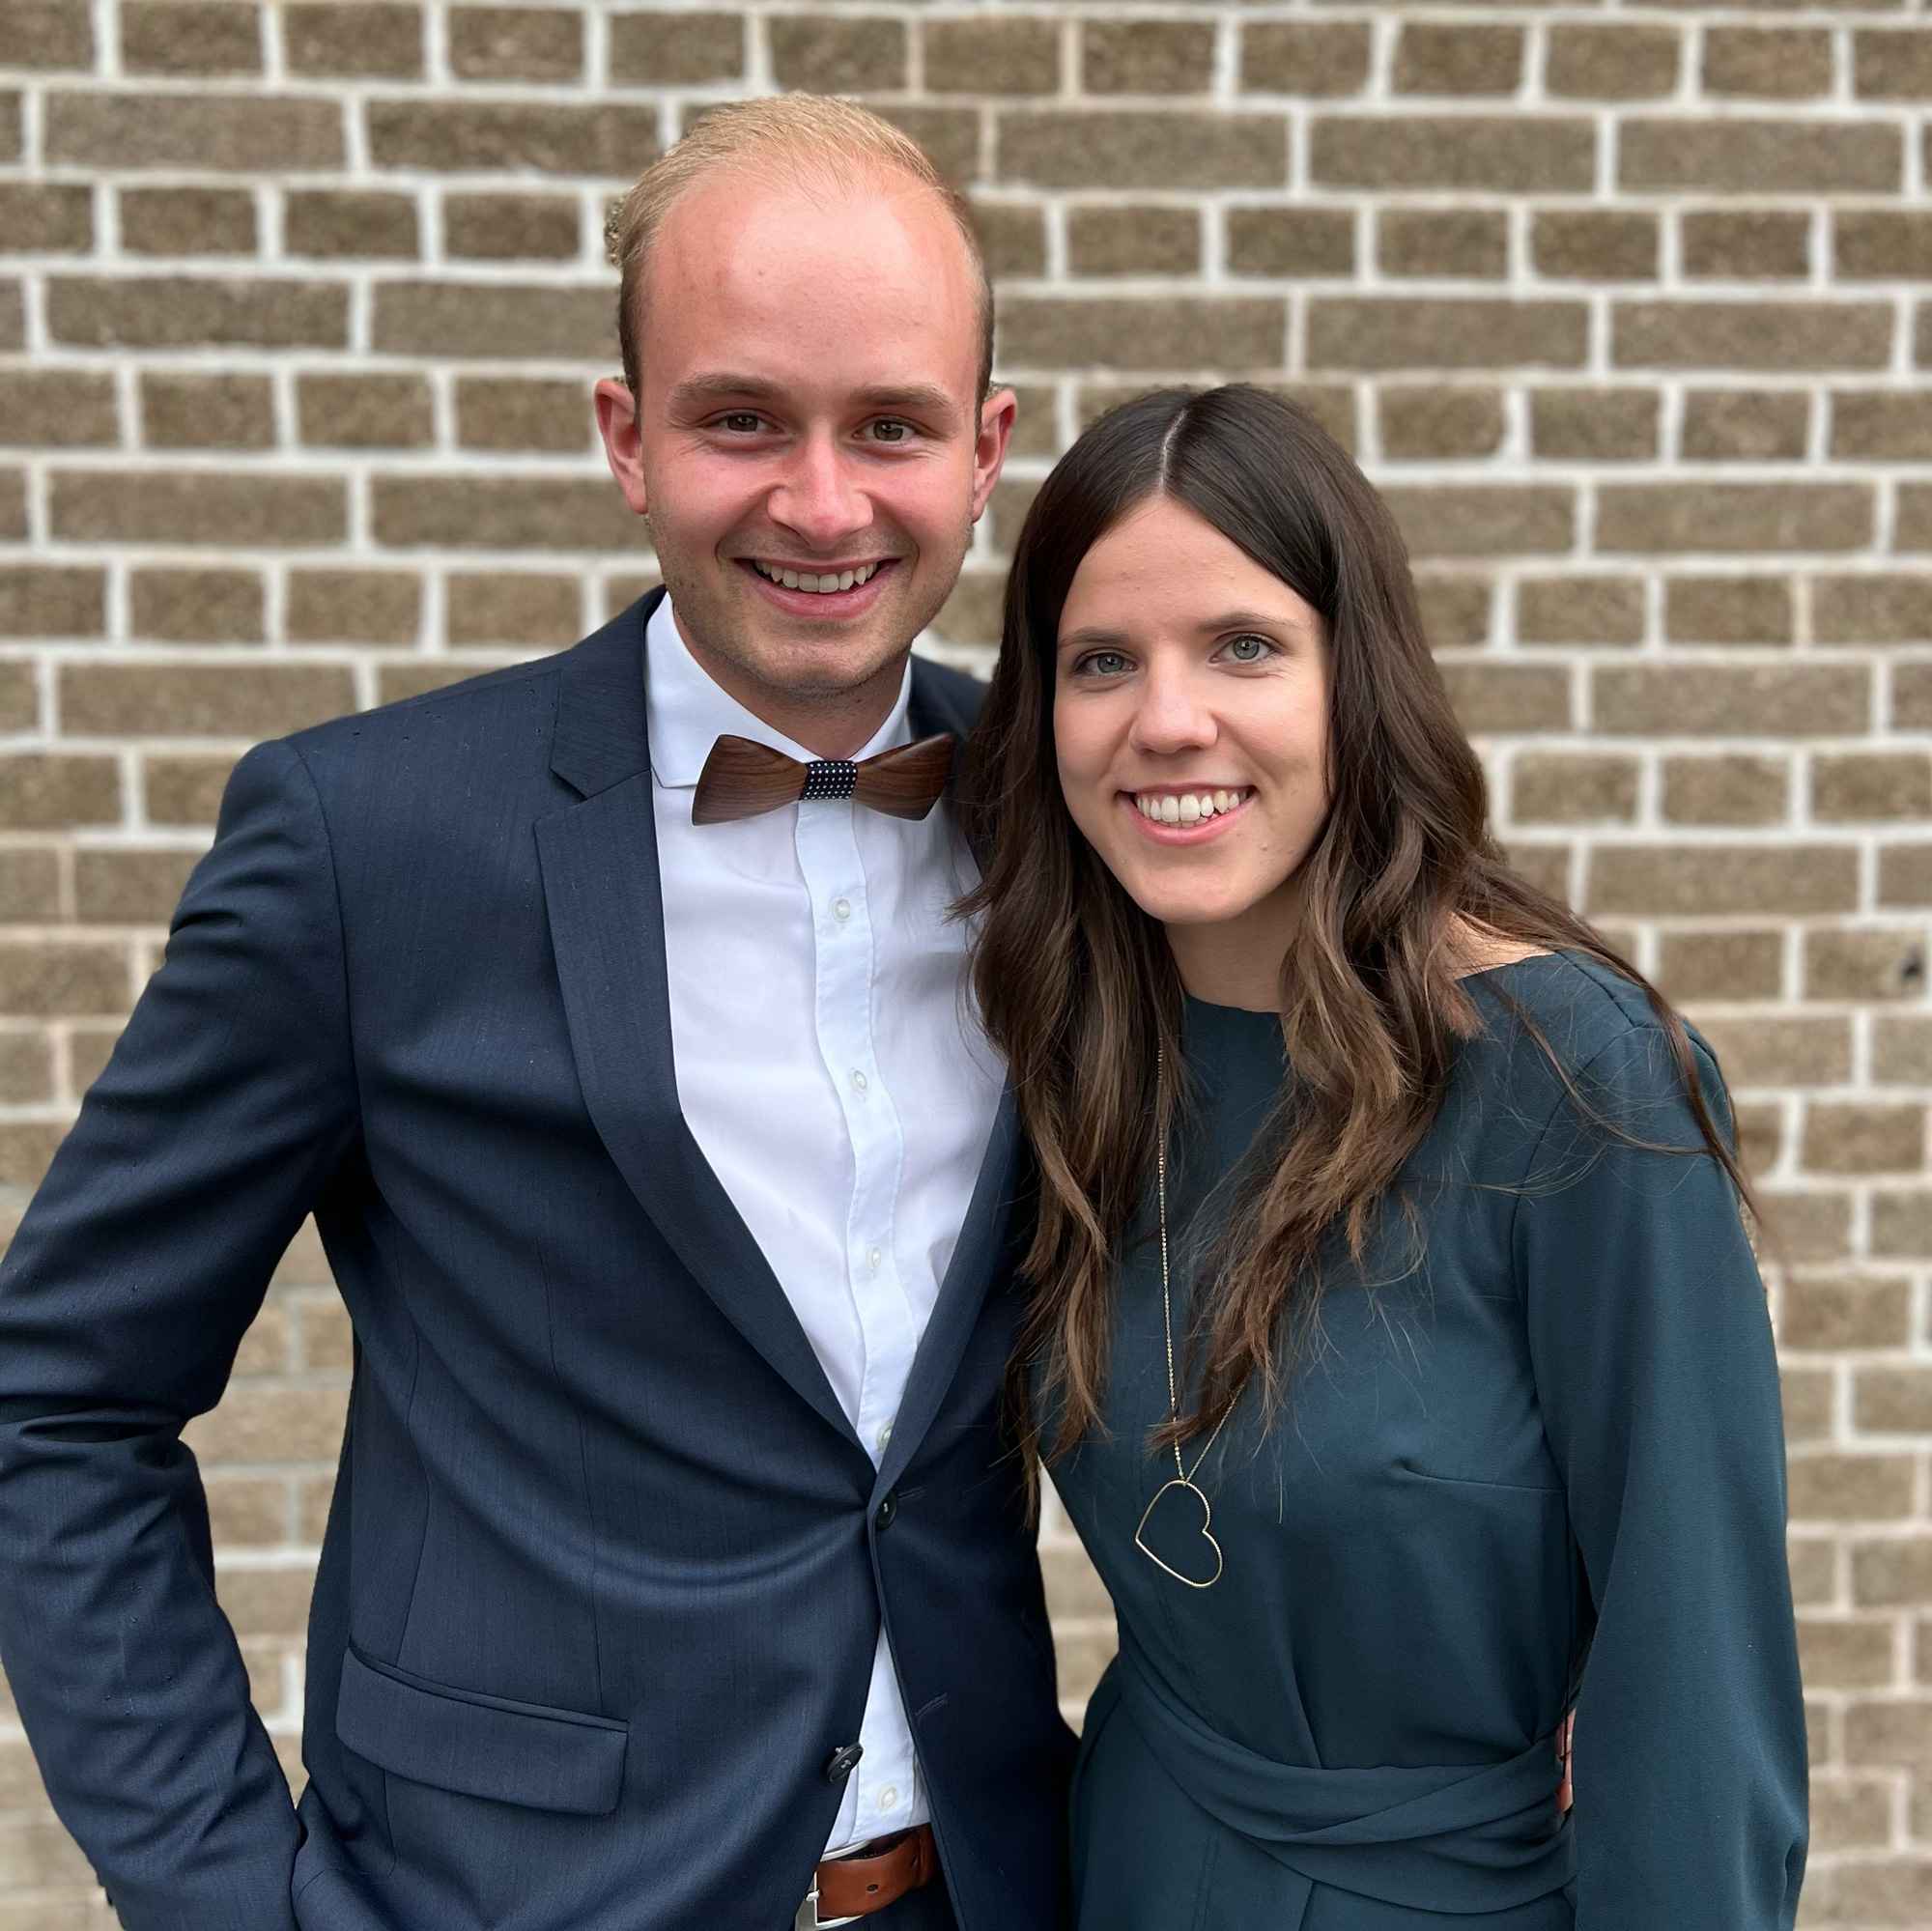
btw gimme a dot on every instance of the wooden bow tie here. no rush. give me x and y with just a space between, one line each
742 778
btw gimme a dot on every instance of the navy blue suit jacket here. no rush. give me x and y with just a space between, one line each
605 1564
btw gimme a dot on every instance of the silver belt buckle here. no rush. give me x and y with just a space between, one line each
809 1920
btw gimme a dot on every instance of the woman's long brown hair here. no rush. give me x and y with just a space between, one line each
1078 987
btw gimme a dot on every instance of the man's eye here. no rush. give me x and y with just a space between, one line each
890 432
1249 649
740 422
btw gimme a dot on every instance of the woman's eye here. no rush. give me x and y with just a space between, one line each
1249 649
1103 664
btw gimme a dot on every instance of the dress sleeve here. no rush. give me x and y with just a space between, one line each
227 1104
1654 1371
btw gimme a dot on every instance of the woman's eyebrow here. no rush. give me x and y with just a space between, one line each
1080 639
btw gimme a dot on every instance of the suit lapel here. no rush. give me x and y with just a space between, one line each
602 892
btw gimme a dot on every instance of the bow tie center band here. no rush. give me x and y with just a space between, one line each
742 778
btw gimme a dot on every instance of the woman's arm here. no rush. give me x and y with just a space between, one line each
1658 1387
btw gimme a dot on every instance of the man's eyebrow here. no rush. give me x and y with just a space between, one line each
722 385
725 385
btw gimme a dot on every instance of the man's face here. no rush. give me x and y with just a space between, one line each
808 445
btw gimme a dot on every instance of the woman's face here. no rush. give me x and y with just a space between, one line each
1190 719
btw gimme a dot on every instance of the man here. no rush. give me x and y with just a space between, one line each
676 1574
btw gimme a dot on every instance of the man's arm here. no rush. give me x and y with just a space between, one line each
227 1105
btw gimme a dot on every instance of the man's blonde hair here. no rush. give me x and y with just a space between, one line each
801 139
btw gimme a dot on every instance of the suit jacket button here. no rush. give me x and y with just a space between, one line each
887 1511
842 1762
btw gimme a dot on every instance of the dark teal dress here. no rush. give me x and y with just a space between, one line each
1537 1447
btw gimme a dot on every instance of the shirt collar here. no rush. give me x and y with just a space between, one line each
689 710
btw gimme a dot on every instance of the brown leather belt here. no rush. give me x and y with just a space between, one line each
878 1874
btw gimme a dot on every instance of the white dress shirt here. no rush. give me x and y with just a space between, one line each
831 1067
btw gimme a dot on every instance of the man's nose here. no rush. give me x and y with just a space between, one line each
1172 715
818 496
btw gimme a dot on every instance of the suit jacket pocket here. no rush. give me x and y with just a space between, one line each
480 1746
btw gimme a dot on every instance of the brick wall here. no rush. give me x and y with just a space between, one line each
1619 302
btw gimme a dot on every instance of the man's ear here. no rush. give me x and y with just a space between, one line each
989 453
623 441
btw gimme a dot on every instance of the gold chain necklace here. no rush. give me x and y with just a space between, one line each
1182 1479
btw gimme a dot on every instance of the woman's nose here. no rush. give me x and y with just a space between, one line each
1171 716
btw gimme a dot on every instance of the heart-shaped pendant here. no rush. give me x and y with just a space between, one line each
1183 1537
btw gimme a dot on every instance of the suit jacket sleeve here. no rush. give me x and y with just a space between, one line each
1658 1388
227 1105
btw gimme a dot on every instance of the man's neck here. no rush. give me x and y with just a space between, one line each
828 724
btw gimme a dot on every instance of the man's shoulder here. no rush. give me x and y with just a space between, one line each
943 698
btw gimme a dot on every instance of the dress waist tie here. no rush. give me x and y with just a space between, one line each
1464 1840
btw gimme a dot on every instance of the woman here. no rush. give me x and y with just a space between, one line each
1396 1344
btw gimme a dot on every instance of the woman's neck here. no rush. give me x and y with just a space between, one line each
1236 961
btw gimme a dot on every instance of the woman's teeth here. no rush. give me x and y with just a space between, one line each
1190 807
803 580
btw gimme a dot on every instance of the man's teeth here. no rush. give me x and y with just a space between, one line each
1189 808
803 579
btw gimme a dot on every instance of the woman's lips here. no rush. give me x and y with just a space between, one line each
1185 829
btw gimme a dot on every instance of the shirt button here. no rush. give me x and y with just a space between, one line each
885 1434
873 1259
841 909
888 1798
859 1081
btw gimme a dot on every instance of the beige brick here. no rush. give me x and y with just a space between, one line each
1492 698
1595 245
1734 517
1012 240
190 37
992 55
1573 789
57 409
950 136
1432 421
181 310
182 507
673 50
1175 332
605 138
1891 1400
334 223
1748 156
1751 244
1384 332
1147 56
1580 610
1872 609
55 980
1611 63
13 505
187 221
1848 1814
511 227
1483 519
1880 243
1727 609
511 413
497 321
29 886
47 33
1756 334
1768 63
237 700
1813 1572
1714 880
395 682
1812 1224
1744 425
1866 965
36 1854
1545 866
1717 701
1811 1049
364 410
1902 1042
1122 148
39 217
327 1340
1912 695
1315 59
838 55
1595 425
1914 528
1905 875
1867 786
1454 610
515 44
225 133
505 608
130 887
1850 1487
492 513
183 790
88 1051
1297 241
1521 154
39 792
1443 242
196 606
1864 1137
1901 1225
1886 425
281 1424
1726 791
1827 1313
1450 57
1809 1397
1720 964
361 38
1889 1733
1891 64
1146 240
266 1601
191 410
